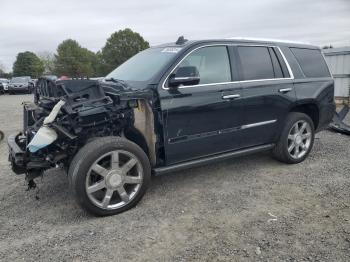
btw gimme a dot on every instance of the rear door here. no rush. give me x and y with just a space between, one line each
203 119
268 92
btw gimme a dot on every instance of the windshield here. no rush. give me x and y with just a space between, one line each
19 80
144 65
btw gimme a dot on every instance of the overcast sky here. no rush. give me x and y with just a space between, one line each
39 25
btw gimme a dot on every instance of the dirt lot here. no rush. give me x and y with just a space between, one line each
245 209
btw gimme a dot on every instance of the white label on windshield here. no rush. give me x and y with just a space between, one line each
171 49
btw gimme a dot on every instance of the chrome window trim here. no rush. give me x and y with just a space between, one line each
291 75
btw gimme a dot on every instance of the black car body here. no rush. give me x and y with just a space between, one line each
21 84
175 106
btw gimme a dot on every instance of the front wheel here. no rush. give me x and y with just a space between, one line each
109 175
296 139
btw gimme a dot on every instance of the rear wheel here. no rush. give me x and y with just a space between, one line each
109 175
296 140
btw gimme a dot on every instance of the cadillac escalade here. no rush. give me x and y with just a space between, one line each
171 107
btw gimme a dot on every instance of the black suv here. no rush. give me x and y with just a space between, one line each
171 107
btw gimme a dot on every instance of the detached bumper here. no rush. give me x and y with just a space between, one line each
16 155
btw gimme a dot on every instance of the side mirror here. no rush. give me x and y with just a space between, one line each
186 75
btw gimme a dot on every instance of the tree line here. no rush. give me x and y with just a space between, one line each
73 60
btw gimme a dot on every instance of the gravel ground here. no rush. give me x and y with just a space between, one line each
247 209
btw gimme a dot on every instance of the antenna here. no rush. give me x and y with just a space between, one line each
181 40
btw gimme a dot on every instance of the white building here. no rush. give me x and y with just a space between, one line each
338 60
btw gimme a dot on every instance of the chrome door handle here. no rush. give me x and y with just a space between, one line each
285 90
231 96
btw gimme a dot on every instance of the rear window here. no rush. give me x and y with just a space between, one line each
311 62
256 62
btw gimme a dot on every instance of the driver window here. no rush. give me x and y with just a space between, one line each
212 64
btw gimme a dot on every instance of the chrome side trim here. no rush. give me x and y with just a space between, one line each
231 96
183 78
285 90
184 138
258 124
291 75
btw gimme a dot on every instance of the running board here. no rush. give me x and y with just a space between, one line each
211 159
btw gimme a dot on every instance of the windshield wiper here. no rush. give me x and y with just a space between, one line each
114 80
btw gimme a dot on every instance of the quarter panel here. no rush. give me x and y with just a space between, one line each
318 91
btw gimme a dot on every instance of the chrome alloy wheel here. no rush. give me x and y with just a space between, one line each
114 180
299 139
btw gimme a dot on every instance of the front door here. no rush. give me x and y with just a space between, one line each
203 119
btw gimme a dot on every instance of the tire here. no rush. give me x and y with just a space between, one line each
101 181
289 137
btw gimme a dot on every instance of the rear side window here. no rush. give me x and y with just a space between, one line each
256 62
311 62
212 63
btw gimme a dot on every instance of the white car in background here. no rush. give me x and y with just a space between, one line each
4 83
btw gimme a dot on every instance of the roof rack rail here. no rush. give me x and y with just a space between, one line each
268 40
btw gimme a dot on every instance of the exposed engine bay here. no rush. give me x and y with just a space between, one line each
68 114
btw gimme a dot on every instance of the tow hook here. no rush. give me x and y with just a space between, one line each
30 176
31 185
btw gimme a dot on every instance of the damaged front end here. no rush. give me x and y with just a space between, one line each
64 117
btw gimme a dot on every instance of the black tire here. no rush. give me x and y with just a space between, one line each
84 159
280 152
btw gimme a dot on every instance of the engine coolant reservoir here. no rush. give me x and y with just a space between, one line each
44 137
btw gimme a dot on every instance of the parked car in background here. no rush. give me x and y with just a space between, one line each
172 107
21 84
2 90
4 84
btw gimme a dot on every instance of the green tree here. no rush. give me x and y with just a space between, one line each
120 46
28 64
48 60
75 61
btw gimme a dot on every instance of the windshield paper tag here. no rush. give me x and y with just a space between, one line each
171 50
